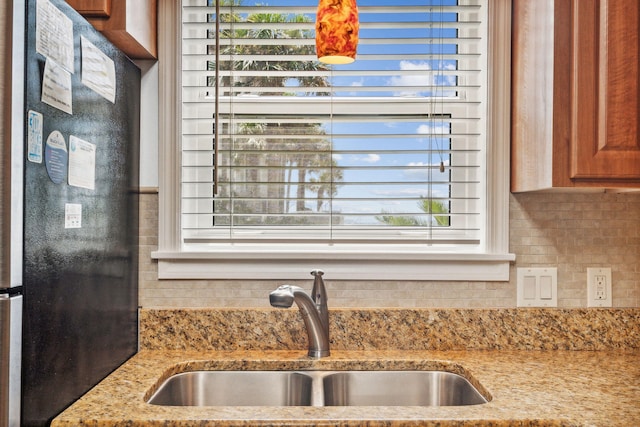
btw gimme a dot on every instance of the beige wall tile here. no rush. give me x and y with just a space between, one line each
567 231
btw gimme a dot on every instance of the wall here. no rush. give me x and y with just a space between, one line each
568 231
148 124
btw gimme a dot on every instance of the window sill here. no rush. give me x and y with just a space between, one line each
343 265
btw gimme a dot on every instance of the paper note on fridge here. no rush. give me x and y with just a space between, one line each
72 215
54 34
56 87
98 71
82 163
34 136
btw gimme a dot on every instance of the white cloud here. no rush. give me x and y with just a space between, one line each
412 80
416 169
369 158
355 84
431 128
422 164
435 191
424 79
417 164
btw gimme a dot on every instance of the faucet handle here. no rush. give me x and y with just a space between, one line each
318 293
319 297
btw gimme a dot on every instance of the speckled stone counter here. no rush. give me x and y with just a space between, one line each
527 388
539 367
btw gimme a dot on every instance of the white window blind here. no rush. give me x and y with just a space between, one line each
390 148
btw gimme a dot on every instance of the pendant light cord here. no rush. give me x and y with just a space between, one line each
216 107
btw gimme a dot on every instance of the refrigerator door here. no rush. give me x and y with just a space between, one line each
80 268
10 349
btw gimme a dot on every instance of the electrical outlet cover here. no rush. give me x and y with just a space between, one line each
599 287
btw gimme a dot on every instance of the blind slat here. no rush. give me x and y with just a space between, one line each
197 44
200 10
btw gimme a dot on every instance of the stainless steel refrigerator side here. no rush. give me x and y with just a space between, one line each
12 17
12 42
10 349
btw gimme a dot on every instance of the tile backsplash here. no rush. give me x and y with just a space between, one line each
570 231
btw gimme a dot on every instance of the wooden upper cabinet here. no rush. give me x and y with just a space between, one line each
605 90
87 8
575 101
129 24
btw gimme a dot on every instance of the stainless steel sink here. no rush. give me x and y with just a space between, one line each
235 388
399 388
316 388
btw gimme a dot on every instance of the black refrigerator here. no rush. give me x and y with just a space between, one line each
79 158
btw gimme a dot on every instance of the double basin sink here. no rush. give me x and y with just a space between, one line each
317 388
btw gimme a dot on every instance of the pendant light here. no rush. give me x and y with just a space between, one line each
337 31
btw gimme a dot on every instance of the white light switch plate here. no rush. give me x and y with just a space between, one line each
599 287
537 287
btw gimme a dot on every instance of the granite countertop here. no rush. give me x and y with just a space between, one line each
527 388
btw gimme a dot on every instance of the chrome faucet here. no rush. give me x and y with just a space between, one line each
314 310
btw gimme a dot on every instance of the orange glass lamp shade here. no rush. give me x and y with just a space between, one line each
337 31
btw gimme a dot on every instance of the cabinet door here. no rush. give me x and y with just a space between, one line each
93 8
605 98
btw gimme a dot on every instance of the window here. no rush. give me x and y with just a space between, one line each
394 166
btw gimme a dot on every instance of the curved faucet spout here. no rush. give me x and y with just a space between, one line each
319 297
284 297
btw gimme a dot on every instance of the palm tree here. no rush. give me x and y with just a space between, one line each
428 206
308 157
324 184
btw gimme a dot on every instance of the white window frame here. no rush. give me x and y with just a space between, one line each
348 262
